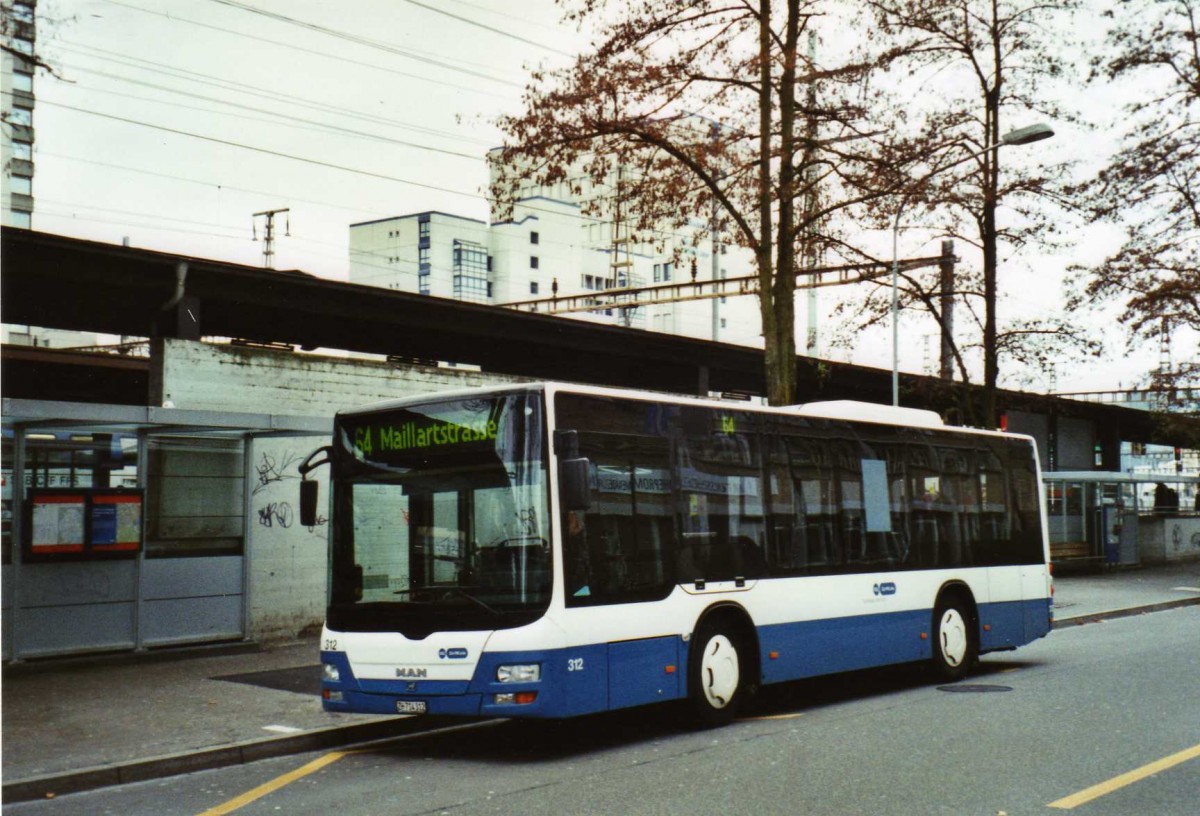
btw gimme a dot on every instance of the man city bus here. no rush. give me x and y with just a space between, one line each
550 551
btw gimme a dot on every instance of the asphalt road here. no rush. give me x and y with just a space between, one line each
1096 719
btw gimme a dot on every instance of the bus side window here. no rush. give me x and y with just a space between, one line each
617 550
723 499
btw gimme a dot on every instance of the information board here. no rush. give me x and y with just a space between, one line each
69 524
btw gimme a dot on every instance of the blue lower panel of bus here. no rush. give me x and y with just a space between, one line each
575 681
599 677
793 651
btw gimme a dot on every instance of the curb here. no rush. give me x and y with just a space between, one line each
50 785
1129 612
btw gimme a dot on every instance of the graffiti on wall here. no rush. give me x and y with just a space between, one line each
277 477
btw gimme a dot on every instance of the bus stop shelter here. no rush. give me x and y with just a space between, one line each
1113 519
134 524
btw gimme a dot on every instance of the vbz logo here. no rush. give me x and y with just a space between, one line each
884 589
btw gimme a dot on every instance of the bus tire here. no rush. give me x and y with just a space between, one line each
716 674
955 647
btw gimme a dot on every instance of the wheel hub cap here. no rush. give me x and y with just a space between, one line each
719 671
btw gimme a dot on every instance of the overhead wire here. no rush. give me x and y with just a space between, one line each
360 40
484 26
287 117
217 186
263 150
293 46
659 233
159 68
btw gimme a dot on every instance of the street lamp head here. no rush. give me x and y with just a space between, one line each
1027 135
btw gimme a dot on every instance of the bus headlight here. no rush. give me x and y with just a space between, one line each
519 673
330 673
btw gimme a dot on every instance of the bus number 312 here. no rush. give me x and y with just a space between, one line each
574 664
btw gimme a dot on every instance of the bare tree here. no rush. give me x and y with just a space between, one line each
687 102
1151 187
994 61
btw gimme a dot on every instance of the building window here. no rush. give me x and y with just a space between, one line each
470 272
533 237
423 255
21 116
22 185
22 82
666 272
533 261
22 151
658 273
423 226
533 287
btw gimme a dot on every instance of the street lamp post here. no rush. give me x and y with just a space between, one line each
1021 136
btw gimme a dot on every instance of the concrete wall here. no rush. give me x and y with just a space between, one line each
286 563
203 376
1164 539
286 569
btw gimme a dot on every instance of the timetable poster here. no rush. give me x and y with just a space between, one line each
116 522
81 524
58 523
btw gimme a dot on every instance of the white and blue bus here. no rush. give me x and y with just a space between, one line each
551 550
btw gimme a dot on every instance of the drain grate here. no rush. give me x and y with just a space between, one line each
974 688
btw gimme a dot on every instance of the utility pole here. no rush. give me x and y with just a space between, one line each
946 268
714 234
269 233
811 256
621 260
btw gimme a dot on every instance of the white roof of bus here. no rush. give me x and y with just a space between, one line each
870 412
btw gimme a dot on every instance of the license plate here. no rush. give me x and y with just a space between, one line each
411 706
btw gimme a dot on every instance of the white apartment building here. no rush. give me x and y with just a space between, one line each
549 248
16 144
17 66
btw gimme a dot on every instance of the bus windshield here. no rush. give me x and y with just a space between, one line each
441 519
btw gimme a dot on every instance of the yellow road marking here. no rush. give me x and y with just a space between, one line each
275 784
1118 782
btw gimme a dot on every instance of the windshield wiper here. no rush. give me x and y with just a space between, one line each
447 591
481 604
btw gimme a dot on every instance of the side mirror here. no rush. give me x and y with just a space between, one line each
575 475
310 491
574 472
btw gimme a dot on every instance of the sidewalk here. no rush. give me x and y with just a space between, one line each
78 724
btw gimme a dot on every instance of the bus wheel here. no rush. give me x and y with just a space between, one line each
715 677
953 644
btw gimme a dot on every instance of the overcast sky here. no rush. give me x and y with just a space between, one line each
173 122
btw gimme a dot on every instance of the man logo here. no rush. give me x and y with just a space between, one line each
405 671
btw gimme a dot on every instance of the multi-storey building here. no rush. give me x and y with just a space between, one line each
549 247
18 59
17 70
